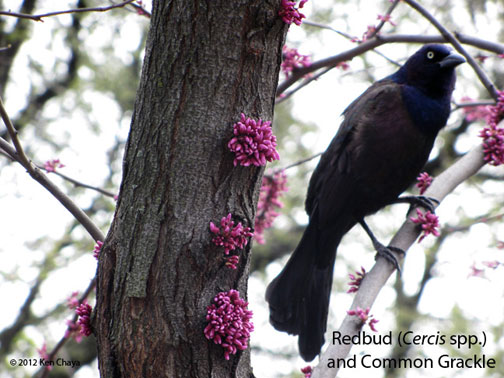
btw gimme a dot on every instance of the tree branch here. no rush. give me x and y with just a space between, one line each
379 40
456 44
442 185
38 17
19 155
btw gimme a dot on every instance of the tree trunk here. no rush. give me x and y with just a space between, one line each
205 63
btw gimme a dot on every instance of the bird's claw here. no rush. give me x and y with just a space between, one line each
428 203
386 253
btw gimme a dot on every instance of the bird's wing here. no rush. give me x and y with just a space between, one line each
335 180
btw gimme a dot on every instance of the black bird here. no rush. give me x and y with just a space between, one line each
381 146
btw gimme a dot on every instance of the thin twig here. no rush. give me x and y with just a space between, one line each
18 155
38 17
384 19
299 162
79 183
473 104
21 157
379 40
458 46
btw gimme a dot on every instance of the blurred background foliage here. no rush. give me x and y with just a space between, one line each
69 85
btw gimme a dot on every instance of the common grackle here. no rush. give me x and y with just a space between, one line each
381 146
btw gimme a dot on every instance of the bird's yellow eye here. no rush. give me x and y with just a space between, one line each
430 54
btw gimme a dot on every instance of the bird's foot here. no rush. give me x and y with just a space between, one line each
428 203
386 253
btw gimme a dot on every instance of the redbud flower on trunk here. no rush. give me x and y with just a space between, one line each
253 142
230 236
271 189
293 60
97 249
229 322
84 312
290 14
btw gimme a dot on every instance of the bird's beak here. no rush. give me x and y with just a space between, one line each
451 61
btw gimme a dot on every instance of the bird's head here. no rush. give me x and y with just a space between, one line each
431 69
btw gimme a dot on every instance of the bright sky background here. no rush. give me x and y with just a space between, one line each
30 212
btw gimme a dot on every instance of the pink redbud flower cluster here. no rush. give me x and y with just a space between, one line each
51 165
72 300
229 322
293 60
355 280
429 222
364 316
230 237
386 18
474 113
290 14
307 371
271 189
476 272
424 181
253 142
493 144
73 330
492 134
84 312
45 356
97 249
232 262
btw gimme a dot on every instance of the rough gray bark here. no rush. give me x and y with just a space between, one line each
205 63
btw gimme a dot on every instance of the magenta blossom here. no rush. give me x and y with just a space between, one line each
429 222
73 330
491 264
51 165
45 356
493 144
386 18
72 300
232 262
230 236
476 272
84 312
253 142
474 113
229 322
493 135
290 14
293 60
272 188
424 181
97 249
364 316
356 280
307 371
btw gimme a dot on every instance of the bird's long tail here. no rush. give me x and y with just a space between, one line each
299 296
